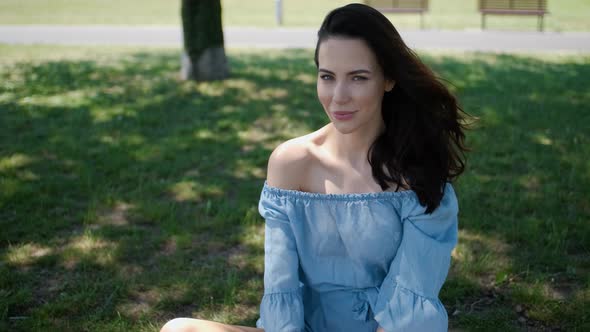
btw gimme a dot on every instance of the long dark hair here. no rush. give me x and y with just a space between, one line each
423 141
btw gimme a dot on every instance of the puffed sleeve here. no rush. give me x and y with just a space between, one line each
408 298
281 308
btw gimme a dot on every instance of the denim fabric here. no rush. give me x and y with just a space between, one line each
353 262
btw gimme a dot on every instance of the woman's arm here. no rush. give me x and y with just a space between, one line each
408 298
281 308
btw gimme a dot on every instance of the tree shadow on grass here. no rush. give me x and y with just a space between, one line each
524 198
132 190
128 197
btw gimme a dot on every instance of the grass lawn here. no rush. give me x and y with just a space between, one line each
128 198
564 15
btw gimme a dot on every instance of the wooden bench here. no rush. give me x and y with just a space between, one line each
400 6
513 7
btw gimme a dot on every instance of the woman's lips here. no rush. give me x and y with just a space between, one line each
343 115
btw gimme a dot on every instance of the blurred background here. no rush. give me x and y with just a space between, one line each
564 15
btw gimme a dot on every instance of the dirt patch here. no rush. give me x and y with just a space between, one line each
50 284
117 215
139 303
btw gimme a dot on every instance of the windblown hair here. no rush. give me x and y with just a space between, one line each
423 142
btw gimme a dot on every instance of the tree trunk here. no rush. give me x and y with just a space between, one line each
204 54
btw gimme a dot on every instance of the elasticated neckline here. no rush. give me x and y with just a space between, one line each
289 193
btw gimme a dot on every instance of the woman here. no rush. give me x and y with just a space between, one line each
360 215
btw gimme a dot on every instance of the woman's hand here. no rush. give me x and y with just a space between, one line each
380 329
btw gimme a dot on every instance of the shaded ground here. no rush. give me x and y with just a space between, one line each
128 198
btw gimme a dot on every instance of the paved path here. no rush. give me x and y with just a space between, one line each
472 40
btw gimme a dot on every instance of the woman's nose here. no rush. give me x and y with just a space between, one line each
341 94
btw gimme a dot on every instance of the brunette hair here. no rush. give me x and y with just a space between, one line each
423 141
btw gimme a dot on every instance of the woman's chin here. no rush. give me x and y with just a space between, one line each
344 128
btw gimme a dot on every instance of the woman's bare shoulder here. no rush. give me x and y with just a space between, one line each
289 163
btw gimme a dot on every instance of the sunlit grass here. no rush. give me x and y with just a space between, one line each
15 161
128 197
25 254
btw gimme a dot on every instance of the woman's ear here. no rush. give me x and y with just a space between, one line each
389 84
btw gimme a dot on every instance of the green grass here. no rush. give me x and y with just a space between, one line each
128 197
564 15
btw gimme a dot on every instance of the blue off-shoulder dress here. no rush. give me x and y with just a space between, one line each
354 262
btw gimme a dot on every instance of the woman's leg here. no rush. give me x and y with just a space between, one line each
199 325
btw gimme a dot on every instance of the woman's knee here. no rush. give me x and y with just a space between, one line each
182 325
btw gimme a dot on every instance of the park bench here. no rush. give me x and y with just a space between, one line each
401 6
513 7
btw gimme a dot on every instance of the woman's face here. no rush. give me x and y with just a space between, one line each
351 84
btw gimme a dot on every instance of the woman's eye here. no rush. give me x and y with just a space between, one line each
325 77
359 78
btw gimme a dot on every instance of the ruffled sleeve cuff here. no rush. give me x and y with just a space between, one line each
399 309
281 312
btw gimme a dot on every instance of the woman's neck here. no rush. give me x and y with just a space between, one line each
352 148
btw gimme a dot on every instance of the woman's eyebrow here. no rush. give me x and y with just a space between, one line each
359 71
354 72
